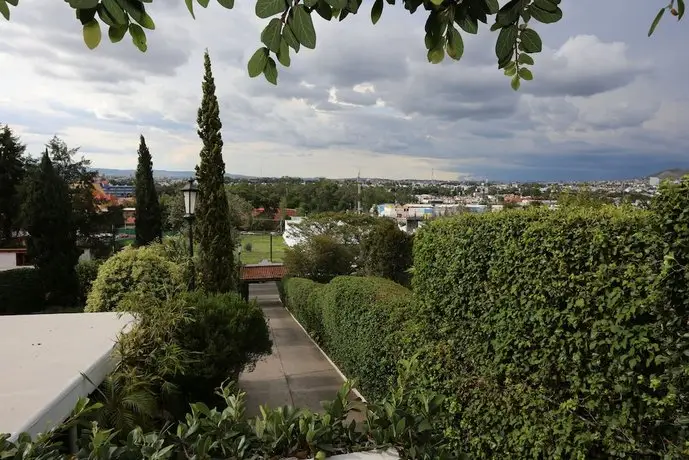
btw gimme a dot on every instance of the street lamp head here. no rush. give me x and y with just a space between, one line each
189 191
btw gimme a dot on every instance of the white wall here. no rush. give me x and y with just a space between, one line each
8 260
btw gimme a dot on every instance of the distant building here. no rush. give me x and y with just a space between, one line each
654 181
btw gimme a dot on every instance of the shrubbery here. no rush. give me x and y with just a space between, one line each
87 271
21 291
320 258
134 270
555 334
386 251
359 321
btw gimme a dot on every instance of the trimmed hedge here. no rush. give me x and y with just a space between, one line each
300 300
359 322
21 291
87 271
554 334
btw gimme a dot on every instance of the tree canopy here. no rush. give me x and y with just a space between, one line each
291 26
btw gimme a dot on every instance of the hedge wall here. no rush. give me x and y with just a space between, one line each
548 331
359 322
21 292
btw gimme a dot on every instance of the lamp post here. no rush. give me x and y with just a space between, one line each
189 191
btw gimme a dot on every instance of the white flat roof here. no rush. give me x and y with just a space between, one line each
42 358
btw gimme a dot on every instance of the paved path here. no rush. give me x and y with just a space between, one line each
296 373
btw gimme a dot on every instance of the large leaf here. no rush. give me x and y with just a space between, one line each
4 9
117 33
546 17
268 8
283 53
229 4
505 42
138 37
258 62
289 37
455 44
272 35
531 41
655 22
338 4
190 7
270 71
92 33
302 26
376 11
115 11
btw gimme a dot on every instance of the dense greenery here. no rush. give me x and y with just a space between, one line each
386 251
358 321
320 258
12 172
149 225
142 270
213 224
291 26
21 291
228 333
52 242
408 420
559 333
87 272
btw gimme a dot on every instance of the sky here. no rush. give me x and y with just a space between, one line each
607 102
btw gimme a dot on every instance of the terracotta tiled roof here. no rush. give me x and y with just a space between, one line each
263 272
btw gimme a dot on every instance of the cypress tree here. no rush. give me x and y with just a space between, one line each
52 243
149 225
213 227
11 174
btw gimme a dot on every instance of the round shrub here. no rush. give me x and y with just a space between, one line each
226 335
21 291
133 270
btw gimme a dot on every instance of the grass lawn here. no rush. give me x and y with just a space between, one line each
260 248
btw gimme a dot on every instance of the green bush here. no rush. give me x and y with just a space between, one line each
320 258
299 298
386 251
87 271
21 292
134 270
363 328
554 333
226 335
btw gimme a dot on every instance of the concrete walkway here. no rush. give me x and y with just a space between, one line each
296 373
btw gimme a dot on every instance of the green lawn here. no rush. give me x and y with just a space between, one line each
260 248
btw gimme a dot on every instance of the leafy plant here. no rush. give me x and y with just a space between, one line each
87 272
21 291
291 26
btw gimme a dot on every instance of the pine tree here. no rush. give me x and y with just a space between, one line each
149 225
47 214
214 228
11 174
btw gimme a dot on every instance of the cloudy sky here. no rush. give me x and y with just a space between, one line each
606 102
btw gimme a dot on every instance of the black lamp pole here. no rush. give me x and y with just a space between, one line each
189 191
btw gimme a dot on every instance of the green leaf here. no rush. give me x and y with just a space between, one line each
509 13
546 5
4 9
376 11
13 2
468 24
92 33
83 4
283 53
229 4
203 3
302 26
511 70
138 37
525 59
680 9
146 22
493 6
324 10
504 46
311 3
546 17
436 55
525 74
515 83
117 33
268 8
272 35
190 7
289 37
258 62
270 71
115 11
531 41
455 44
338 4
656 21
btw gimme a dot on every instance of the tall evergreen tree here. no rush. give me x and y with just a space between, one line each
11 174
214 228
47 214
149 225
